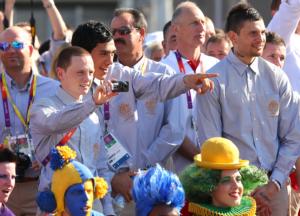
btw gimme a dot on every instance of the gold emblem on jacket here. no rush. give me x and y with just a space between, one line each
273 108
125 111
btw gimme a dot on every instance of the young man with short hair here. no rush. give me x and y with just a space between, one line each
69 118
120 114
254 106
218 46
275 49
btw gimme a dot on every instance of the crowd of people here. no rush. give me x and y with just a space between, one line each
98 122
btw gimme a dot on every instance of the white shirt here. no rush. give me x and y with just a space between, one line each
123 122
159 134
184 114
52 118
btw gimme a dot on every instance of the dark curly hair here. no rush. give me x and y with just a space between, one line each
89 34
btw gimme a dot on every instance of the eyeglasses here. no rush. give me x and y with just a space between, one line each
124 30
4 46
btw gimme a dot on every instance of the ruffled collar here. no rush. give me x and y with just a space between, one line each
246 208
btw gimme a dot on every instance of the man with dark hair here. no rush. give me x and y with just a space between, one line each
254 106
128 42
100 45
158 135
7 178
120 114
169 42
103 35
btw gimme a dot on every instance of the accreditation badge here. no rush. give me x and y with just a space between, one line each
117 154
20 144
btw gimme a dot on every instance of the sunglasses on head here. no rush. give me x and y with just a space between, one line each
124 30
4 46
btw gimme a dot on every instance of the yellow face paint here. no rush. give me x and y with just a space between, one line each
89 190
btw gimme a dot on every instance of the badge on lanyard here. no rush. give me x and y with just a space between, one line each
20 144
117 154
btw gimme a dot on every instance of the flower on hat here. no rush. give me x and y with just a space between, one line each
60 156
101 187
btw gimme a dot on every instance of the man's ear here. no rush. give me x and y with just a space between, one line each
30 47
142 33
59 73
232 36
163 43
174 27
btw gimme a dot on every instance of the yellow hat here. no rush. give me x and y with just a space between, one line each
219 153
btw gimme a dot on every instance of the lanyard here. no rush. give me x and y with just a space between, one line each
106 116
144 66
182 70
6 96
62 142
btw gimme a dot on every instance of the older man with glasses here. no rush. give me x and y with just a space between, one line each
19 89
158 135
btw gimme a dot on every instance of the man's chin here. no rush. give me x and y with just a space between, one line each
101 74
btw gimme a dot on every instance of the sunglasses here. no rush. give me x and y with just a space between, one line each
4 46
124 30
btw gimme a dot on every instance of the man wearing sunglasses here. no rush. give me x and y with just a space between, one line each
159 136
19 89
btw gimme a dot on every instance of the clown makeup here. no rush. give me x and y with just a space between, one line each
229 191
79 199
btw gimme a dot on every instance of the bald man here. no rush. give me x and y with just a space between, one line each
189 25
21 88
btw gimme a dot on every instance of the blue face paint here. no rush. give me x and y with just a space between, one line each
77 200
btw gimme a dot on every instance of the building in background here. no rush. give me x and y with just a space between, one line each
157 12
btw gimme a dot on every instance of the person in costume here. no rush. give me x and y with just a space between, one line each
219 183
157 192
73 186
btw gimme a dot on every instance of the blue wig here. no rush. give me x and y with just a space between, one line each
154 187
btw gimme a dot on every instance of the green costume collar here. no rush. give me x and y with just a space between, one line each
246 208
